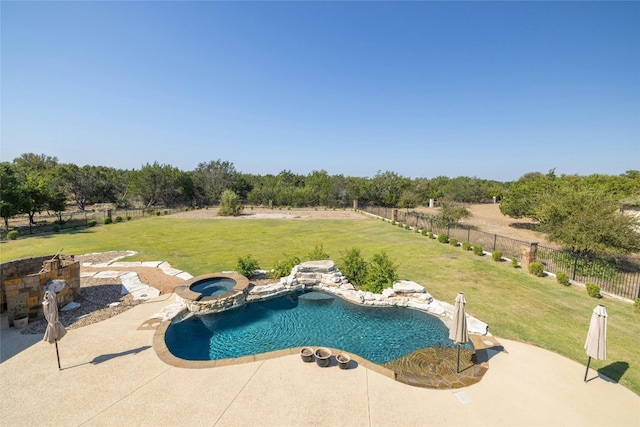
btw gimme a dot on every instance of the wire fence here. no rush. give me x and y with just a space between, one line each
48 223
616 278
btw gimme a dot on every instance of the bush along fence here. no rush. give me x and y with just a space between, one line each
49 223
612 278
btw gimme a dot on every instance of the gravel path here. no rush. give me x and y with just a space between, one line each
96 295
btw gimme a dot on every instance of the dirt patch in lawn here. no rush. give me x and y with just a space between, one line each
488 218
266 213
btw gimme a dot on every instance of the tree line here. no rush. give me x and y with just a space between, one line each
34 183
571 209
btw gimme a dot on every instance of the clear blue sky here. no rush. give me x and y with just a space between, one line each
486 89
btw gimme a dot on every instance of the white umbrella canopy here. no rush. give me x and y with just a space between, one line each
458 332
596 343
55 330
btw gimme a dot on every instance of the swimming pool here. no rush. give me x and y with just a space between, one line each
379 334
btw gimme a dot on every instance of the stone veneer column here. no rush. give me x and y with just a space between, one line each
528 253
355 205
394 214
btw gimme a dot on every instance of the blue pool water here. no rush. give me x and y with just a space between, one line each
379 334
213 286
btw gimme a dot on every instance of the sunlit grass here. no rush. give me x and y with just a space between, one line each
516 305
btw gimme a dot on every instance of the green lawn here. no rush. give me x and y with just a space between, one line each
516 305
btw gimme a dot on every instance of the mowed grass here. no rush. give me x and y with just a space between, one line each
515 304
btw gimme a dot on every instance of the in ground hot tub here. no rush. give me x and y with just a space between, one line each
212 293
213 286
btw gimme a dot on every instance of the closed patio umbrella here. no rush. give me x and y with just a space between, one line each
458 332
596 343
55 330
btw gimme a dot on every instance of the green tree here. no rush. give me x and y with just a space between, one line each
36 192
211 179
523 196
386 188
35 162
588 222
158 183
11 197
230 204
408 200
452 212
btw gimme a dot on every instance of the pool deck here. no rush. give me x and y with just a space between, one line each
112 376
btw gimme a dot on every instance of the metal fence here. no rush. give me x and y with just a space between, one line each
48 223
611 277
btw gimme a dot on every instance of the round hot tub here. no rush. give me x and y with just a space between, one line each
213 286
213 292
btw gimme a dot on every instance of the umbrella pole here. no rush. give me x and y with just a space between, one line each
58 355
587 371
458 369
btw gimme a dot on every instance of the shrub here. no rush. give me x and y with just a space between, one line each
246 266
415 229
317 253
430 235
407 226
92 223
393 223
514 262
562 278
424 232
12 235
159 213
282 268
354 267
636 306
166 212
466 246
230 204
497 256
55 228
453 241
443 238
536 268
107 220
128 217
477 250
381 273
118 218
593 290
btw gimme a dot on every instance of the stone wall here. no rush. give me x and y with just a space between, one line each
324 276
23 282
213 304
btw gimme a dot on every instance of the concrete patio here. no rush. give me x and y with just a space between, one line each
112 376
